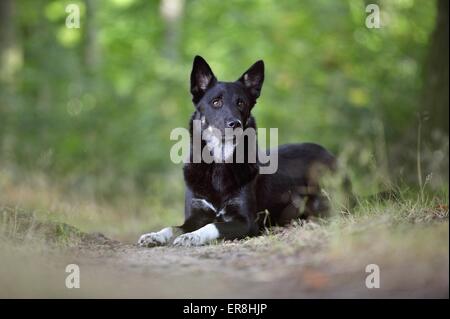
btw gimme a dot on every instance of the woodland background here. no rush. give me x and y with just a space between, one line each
85 114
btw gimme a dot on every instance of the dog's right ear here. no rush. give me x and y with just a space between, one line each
202 78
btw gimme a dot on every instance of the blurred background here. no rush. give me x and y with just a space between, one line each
86 113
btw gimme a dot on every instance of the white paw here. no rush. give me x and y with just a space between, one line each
152 240
188 240
156 239
199 237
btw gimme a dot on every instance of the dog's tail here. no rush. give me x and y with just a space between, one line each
389 195
352 200
383 196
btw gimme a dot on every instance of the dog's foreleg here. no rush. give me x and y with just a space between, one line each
160 238
165 236
238 223
198 237
225 230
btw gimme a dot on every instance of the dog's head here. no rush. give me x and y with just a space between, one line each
225 105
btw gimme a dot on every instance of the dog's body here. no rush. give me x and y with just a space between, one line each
232 200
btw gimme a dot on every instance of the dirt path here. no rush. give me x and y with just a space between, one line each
297 262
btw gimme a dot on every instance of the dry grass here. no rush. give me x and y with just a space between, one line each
43 228
121 217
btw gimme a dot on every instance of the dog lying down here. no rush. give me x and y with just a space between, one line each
227 198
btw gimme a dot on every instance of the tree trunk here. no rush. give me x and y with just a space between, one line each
10 62
171 12
91 54
10 55
436 81
432 139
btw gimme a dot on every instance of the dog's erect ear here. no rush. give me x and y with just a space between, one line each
202 78
253 78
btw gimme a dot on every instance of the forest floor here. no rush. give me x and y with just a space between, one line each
314 259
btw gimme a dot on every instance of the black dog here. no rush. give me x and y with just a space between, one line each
232 200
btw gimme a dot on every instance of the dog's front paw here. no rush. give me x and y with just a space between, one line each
163 237
152 240
188 240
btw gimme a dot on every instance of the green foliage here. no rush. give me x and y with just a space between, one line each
105 126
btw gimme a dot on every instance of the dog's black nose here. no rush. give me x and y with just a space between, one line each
234 124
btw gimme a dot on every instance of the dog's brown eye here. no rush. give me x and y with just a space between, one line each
217 102
240 103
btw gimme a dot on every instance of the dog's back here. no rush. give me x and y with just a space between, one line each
294 190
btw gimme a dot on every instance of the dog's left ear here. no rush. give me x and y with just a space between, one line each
253 79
